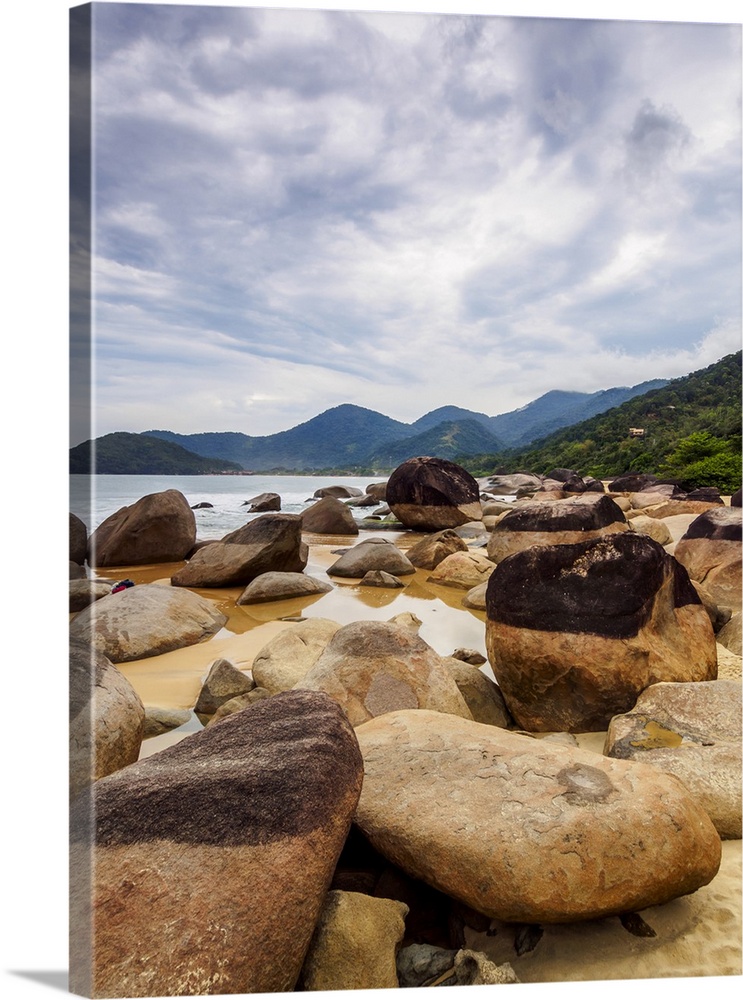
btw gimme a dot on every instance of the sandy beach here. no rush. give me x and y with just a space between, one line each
695 936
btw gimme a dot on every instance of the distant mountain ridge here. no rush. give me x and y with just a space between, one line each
349 436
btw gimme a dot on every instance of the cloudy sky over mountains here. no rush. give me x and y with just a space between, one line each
296 209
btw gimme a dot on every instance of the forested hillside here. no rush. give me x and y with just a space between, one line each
136 454
689 430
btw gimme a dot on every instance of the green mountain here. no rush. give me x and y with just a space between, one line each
444 440
689 430
136 454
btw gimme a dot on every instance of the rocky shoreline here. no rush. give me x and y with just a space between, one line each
490 734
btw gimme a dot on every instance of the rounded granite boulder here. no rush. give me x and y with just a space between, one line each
161 527
430 494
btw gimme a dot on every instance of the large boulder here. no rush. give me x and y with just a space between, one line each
373 553
555 522
78 539
371 668
160 527
214 856
286 658
355 943
271 542
575 633
106 718
329 516
526 831
338 491
711 552
430 494
146 620
282 587
694 732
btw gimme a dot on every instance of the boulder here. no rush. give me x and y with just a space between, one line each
282 587
421 964
78 539
355 943
363 501
378 578
338 491
484 698
555 522
160 527
430 494
729 635
632 482
678 505
710 550
377 490
653 527
106 718
159 720
264 502
224 681
373 553
269 543
238 703
429 551
371 668
471 656
526 831
694 732
204 505
476 598
708 494
576 632
146 620
737 498
463 569
286 658
509 485
213 857
84 592
77 572
329 516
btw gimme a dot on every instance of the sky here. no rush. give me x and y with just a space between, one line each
295 209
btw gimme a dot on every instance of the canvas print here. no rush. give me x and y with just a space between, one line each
405 500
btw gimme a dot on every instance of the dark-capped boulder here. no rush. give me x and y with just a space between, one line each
146 620
78 539
576 632
223 682
632 482
533 832
329 516
160 527
694 732
214 856
555 522
372 553
707 494
106 718
430 494
710 550
371 668
282 587
429 551
264 502
271 542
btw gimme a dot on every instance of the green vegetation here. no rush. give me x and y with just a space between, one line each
137 454
691 431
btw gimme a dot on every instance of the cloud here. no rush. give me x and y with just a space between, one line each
296 209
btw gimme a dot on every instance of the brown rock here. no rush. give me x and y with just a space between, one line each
160 527
106 718
484 698
263 503
84 592
430 494
274 586
429 552
371 668
710 550
531 832
378 578
269 543
692 731
223 682
78 539
730 634
373 553
463 569
286 658
355 943
576 632
213 857
329 516
146 620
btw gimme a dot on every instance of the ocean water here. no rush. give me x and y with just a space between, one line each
94 498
